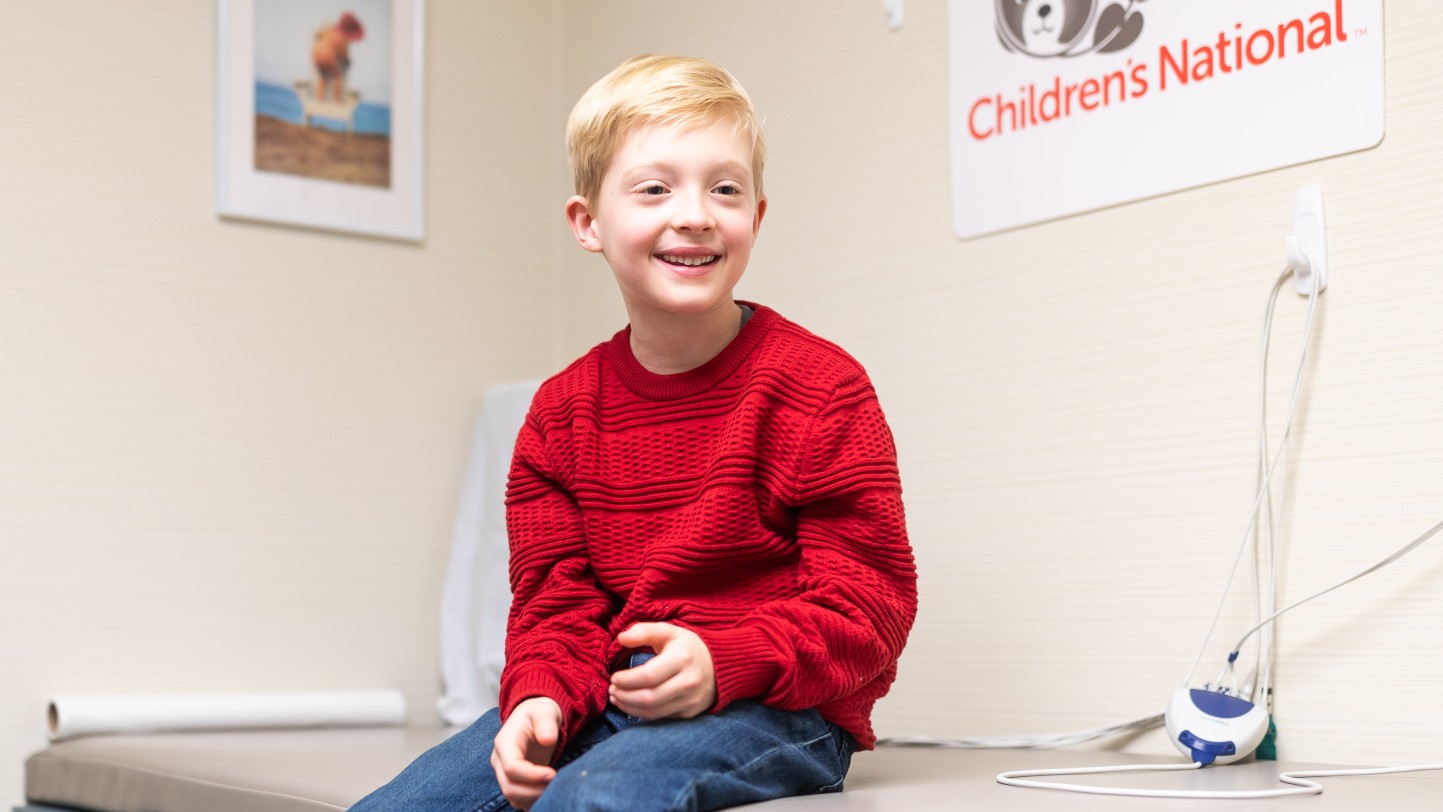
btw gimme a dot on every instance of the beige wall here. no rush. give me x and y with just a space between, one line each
229 451
1075 402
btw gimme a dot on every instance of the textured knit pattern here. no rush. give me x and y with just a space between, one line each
754 500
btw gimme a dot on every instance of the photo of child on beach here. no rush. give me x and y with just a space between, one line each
323 89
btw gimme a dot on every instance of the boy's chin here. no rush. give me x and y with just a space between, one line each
681 304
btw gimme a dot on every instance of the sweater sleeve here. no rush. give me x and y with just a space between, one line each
845 630
556 637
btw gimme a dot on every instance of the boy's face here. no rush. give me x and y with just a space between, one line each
676 216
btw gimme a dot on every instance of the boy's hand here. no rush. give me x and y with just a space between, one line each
679 683
521 756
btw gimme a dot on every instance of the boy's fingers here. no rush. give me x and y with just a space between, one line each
654 696
523 748
514 771
518 771
673 683
546 731
645 704
640 635
521 781
519 795
649 674
654 704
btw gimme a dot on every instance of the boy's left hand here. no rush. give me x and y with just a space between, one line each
678 683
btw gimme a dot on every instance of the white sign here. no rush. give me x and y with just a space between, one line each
1063 106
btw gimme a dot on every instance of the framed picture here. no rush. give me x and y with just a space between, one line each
319 120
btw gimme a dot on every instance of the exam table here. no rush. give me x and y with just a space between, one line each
322 770
326 770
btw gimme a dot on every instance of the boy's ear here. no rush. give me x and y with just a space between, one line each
583 224
757 221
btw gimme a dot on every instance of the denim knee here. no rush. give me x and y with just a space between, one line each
454 775
580 789
746 754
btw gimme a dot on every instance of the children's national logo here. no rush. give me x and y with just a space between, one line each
1062 106
1053 28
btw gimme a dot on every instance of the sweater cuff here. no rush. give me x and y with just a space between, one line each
745 662
541 681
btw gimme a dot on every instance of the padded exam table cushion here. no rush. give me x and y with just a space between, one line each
328 770
251 771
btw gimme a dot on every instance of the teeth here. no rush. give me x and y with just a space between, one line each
693 261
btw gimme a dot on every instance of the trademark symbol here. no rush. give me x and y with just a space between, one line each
1360 32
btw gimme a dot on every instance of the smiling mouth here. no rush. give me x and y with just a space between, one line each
690 262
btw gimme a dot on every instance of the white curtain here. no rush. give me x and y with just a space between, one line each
477 593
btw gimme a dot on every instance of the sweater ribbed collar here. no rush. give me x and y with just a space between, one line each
650 385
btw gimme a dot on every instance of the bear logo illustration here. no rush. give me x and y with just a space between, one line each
1052 28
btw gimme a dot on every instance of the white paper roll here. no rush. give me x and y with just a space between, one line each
71 716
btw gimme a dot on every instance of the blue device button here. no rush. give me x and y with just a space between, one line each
1203 751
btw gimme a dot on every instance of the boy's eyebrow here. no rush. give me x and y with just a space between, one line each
645 169
729 166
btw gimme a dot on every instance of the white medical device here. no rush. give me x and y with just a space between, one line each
1211 727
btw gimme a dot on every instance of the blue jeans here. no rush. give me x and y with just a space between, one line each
745 754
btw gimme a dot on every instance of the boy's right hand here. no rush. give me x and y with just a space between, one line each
521 755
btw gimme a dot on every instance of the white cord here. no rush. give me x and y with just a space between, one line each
1262 489
1408 548
1041 741
1299 778
1267 644
1266 648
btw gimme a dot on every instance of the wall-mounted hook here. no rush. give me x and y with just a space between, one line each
1307 246
894 13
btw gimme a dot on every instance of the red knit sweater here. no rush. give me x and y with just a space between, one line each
753 500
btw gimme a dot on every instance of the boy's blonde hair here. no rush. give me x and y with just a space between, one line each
650 89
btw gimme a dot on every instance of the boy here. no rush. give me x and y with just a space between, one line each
709 564
331 54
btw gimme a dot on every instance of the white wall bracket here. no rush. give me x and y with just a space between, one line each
1307 246
894 13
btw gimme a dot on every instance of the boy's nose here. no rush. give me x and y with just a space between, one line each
691 214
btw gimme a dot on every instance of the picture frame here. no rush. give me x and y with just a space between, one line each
319 114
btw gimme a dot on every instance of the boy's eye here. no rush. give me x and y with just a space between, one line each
728 189
653 189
